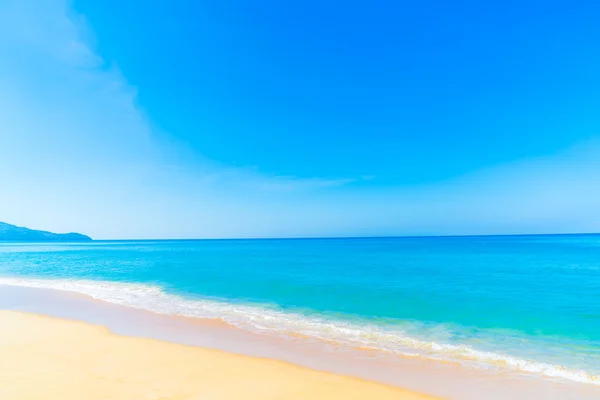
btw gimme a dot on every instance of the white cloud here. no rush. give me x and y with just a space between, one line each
76 153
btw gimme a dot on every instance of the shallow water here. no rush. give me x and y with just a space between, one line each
447 380
522 305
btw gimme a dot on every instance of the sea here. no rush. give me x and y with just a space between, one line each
527 305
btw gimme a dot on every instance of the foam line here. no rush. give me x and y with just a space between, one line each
265 320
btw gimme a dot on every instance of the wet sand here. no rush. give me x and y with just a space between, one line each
51 358
418 375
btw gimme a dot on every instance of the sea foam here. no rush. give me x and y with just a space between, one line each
266 320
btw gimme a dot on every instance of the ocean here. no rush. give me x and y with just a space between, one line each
521 304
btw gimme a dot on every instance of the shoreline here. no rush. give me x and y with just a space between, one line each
46 357
351 335
443 380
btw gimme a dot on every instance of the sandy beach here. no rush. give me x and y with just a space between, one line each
50 358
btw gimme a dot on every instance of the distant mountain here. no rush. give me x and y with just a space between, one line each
14 233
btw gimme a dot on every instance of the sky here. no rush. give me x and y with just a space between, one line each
212 119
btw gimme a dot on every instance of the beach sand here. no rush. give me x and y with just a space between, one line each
49 358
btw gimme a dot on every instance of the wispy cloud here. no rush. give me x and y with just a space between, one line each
81 153
77 153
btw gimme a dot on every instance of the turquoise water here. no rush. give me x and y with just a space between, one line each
528 304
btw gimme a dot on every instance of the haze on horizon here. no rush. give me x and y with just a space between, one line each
261 119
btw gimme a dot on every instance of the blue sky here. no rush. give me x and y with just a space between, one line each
314 118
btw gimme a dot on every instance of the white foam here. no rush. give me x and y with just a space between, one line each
254 318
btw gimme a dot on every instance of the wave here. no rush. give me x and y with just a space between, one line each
266 320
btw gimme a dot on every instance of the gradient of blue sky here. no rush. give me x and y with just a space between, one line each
319 118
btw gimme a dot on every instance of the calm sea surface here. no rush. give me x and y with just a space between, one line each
528 304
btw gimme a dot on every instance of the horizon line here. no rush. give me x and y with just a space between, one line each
351 237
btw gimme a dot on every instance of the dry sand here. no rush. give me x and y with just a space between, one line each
48 358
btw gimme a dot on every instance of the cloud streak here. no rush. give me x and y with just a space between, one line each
76 153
